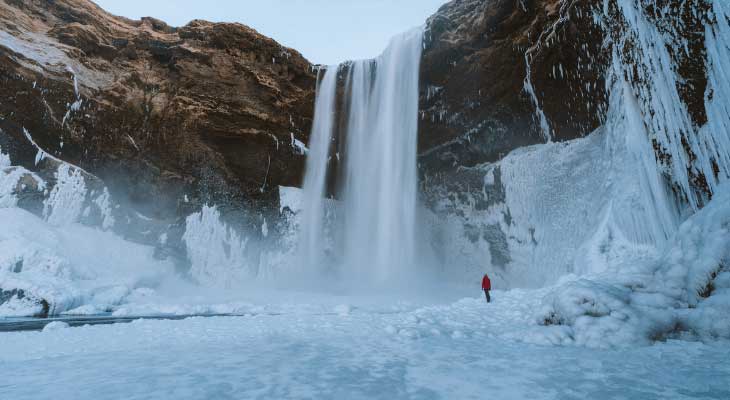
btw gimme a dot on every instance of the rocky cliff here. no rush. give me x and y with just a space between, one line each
551 127
502 74
169 118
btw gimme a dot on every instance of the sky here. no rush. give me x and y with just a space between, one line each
324 31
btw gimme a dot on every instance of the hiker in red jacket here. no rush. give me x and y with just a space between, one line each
487 286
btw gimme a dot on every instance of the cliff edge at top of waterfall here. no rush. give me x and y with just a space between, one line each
209 110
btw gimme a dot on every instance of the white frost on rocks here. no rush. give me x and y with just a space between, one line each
290 197
217 253
10 181
298 146
71 265
4 159
65 203
103 202
46 53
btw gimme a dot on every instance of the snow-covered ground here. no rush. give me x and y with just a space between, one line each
380 350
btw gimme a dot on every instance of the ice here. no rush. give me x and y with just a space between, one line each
103 202
55 326
25 306
343 310
460 349
298 146
290 197
4 159
561 208
12 180
700 151
71 265
216 251
65 203
666 295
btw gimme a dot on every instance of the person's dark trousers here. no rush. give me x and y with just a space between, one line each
486 292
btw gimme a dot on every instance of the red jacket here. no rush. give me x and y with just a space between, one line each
486 283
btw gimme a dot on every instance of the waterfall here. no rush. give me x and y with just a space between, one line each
312 226
379 189
381 178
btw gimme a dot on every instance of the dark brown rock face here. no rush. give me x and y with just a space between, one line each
208 110
483 62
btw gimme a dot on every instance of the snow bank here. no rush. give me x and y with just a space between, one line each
55 326
223 255
69 266
684 291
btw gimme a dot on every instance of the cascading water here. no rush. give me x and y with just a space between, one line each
310 246
379 192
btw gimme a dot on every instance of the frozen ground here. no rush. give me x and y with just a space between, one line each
462 349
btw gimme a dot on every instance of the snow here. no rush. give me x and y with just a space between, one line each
55 326
72 265
290 197
103 202
17 306
217 252
463 349
65 203
4 159
11 180
41 51
659 297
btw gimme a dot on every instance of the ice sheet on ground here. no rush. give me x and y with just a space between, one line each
465 349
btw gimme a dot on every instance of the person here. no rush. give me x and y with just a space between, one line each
486 287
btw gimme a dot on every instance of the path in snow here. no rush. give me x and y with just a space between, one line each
466 349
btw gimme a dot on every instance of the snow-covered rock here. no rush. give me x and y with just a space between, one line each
55 326
685 290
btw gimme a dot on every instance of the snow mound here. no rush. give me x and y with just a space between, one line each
684 292
56 326
70 266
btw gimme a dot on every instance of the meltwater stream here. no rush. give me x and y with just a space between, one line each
375 240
